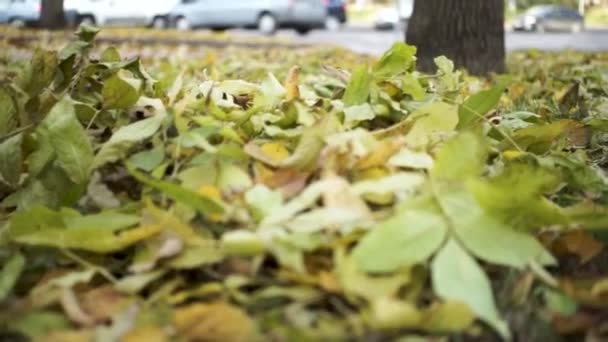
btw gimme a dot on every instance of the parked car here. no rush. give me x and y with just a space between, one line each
19 12
550 18
394 17
266 15
151 13
336 14
387 19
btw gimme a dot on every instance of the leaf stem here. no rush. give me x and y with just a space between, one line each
104 273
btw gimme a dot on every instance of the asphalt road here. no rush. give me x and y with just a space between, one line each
367 40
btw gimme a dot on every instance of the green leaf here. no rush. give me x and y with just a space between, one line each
125 138
11 161
487 237
560 303
358 113
148 160
450 79
262 201
456 276
358 89
69 140
40 73
233 179
270 94
198 256
516 196
242 243
311 143
101 233
408 238
205 205
10 273
109 220
431 122
412 87
87 33
540 139
461 157
38 325
399 59
372 288
478 105
8 113
121 90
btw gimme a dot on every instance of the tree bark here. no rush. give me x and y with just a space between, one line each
469 32
52 15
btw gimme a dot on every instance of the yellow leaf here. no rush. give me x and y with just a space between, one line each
276 151
146 334
212 192
390 314
512 154
450 316
217 322
291 83
98 240
380 155
70 336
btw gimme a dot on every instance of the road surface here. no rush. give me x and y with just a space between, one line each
369 41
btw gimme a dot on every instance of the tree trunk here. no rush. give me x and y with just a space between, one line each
52 15
469 32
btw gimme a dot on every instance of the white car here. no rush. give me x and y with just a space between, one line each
395 17
152 13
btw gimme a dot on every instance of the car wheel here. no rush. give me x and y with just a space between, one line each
182 24
576 28
159 23
332 23
303 30
267 24
17 22
540 28
219 29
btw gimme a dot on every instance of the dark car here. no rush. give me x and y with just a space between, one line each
336 14
550 18
19 12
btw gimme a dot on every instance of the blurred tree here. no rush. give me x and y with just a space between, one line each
469 32
52 15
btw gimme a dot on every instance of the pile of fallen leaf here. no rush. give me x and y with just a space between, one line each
204 198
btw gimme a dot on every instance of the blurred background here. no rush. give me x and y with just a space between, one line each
364 26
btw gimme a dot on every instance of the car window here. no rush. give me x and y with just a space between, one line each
572 14
538 10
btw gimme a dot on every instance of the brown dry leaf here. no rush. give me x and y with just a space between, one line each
585 292
216 322
329 282
579 243
576 323
73 310
289 181
103 303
